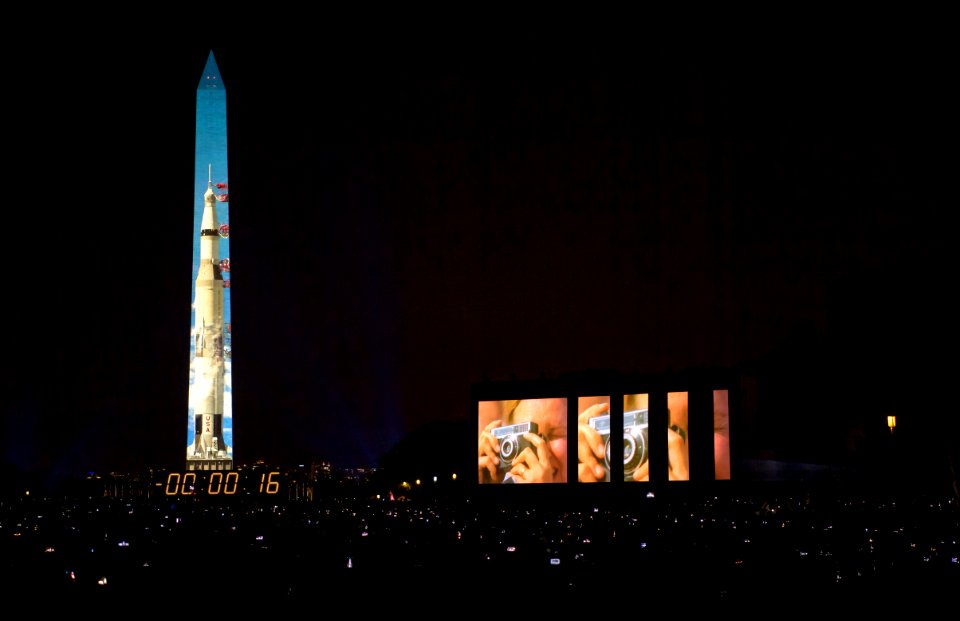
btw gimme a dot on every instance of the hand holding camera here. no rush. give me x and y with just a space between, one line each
525 455
635 442
488 454
591 446
523 441
512 442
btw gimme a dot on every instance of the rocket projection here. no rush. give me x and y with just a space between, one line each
210 411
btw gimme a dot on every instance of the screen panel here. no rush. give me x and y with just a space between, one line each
522 441
678 448
721 435
593 439
636 443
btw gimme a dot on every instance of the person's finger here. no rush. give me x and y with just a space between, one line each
528 458
585 454
594 410
520 472
584 451
599 471
486 464
487 450
586 474
543 450
492 424
642 473
491 440
531 468
591 437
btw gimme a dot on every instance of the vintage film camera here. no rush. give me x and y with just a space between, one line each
635 436
512 442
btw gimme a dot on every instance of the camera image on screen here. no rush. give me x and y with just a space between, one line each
634 441
512 442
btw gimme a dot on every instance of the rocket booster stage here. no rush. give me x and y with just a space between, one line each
208 362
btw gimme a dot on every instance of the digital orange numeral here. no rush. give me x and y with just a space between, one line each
175 478
230 487
184 490
219 480
272 486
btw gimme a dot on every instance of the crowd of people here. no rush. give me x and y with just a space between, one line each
716 548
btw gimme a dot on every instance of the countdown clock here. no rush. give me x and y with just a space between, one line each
219 483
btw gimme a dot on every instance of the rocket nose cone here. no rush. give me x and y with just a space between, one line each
210 196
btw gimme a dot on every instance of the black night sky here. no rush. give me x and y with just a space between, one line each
414 211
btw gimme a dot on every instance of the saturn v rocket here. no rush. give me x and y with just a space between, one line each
210 412
208 361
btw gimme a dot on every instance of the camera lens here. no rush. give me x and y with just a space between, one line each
507 448
630 461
